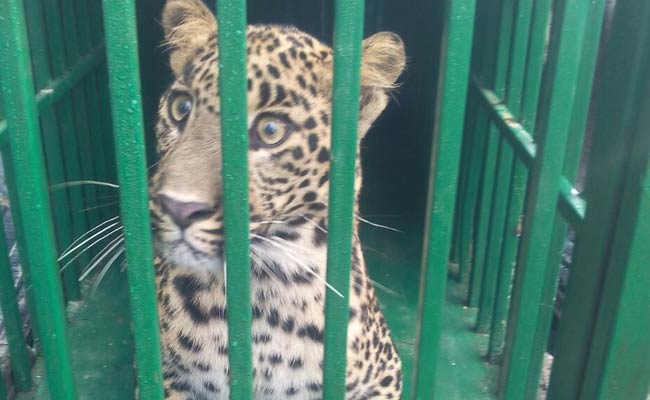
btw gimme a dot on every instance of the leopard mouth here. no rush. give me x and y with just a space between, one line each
180 249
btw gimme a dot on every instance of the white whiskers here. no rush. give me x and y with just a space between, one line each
291 255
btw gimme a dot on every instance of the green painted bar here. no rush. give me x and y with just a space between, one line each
571 204
521 141
484 204
476 139
13 323
589 56
124 79
495 237
462 221
536 60
470 195
483 67
522 360
507 261
59 87
32 194
515 196
618 369
95 132
59 97
450 109
472 198
23 254
490 173
348 34
70 78
80 133
578 116
51 144
601 258
232 19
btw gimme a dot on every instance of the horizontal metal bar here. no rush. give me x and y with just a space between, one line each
58 87
571 205
519 138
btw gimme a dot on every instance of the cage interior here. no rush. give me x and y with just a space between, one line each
519 141
395 161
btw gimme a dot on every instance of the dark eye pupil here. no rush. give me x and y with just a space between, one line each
184 107
270 128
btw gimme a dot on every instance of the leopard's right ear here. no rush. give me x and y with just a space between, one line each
188 24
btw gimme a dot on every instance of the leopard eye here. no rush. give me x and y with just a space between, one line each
271 130
180 106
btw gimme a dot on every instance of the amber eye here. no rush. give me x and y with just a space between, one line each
180 106
271 130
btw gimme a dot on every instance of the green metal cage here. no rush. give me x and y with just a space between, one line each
519 122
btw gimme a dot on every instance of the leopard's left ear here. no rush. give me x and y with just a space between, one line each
383 61
188 24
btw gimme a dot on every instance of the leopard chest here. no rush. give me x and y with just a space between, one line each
287 331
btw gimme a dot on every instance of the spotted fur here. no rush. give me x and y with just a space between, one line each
289 91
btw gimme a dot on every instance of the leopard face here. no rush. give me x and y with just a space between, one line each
289 97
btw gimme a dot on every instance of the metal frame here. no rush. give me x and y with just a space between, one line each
501 194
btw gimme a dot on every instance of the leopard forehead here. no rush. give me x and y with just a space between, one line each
288 71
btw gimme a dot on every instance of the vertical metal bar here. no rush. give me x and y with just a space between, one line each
470 203
514 203
124 79
12 321
234 138
600 269
618 368
32 193
64 109
527 113
80 134
522 356
507 261
452 97
91 95
583 89
348 32
503 21
475 137
460 249
495 236
23 254
495 179
50 135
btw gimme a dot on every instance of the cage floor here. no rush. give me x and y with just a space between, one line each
103 347
393 260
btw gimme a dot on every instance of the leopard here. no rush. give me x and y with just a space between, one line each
289 76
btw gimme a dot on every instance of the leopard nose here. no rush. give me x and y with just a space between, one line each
184 213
